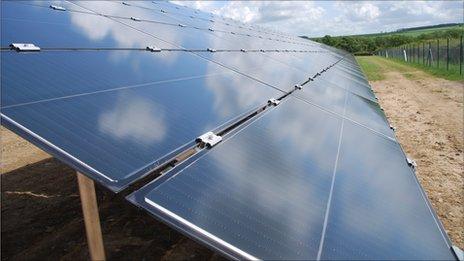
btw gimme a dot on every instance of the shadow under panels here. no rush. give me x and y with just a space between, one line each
264 193
113 115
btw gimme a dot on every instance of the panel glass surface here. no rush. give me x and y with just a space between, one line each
378 211
30 77
368 113
45 27
121 132
264 190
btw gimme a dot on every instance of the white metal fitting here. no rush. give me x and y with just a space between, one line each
243 50
273 101
181 25
59 8
211 29
153 48
209 139
298 87
135 19
25 47
411 163
211 50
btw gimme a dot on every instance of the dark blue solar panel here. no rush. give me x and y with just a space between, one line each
263 191
46 27
378 209
295 184
120 133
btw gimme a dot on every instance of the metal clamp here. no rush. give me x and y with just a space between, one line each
211 50
58 8
126 3
211 29
153 49
412 163
273 101
209 139
243 50
24 47
135 19
392 127
181 25
298 87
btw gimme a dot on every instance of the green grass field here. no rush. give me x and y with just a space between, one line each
374 67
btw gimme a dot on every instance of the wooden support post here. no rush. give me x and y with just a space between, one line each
91 217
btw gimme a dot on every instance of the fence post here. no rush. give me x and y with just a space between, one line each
423 53
429 56
460 57
447 54
438 53
418 53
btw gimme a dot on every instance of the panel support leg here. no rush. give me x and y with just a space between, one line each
91 217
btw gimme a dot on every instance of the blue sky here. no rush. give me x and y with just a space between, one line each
317 18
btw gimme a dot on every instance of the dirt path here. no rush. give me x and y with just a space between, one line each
428 113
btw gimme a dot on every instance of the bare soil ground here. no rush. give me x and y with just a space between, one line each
41 213
428 115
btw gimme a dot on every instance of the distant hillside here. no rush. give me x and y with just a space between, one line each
370 43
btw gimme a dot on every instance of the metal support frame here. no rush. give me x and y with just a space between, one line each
91 217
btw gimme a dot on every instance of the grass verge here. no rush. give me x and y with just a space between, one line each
374 67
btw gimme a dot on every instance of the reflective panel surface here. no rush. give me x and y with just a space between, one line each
264 190
138 107
378 209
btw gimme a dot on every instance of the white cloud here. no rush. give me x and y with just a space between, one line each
317 18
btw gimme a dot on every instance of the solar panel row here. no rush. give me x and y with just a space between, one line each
318 176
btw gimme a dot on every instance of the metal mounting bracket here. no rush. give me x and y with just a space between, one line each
25 47
412 163
211 50
298 87
209 139
211 29
58 8
153 49
181 25
273 101
125 3
243 50
135 19
392 127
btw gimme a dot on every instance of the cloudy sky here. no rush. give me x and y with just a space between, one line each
336 18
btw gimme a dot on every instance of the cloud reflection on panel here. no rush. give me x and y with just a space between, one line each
138 119
280 168
98 28
234 94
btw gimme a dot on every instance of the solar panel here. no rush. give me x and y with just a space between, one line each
306 165
265 191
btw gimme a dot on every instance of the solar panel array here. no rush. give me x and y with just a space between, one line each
308 166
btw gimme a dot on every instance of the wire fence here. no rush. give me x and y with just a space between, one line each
442 53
